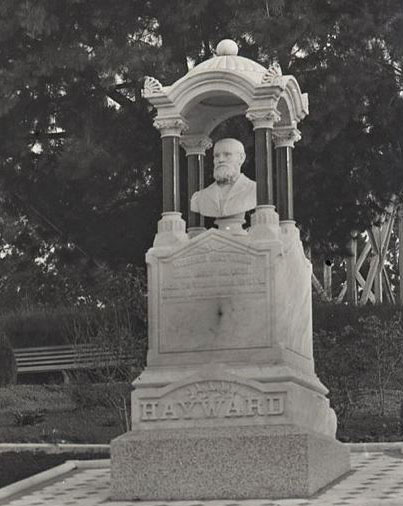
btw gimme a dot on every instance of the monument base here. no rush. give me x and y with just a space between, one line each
224 463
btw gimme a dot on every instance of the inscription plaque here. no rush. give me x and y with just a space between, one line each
209 300
211 399
213 273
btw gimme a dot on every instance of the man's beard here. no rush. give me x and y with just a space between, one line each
226 174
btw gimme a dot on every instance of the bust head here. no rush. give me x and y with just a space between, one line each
232 193
229 155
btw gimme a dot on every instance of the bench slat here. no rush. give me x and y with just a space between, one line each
53 358
44 348
69 359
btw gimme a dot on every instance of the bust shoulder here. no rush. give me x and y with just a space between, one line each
194 202
247 182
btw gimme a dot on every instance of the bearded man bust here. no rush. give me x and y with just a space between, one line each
232 192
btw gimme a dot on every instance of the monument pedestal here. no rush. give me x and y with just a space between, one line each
229 406
224 463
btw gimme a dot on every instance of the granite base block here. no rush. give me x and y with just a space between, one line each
224 463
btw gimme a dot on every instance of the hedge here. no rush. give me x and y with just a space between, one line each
8 366
35 327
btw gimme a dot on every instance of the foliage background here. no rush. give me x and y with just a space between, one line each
80 178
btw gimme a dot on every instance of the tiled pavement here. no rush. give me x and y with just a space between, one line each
376 479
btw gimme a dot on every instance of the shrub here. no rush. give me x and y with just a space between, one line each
22 418
334 317
357 348
383 351
8 366
115 305
339 363
114 396
119 340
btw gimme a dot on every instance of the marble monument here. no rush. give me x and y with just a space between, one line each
229 405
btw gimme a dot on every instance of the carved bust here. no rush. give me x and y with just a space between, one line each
232 192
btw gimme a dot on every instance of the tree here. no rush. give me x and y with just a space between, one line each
80 159
77 156
348 57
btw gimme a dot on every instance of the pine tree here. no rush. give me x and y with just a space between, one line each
80 176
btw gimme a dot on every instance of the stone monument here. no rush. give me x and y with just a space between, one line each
229 405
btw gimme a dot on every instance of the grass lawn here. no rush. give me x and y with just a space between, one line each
92 425
84 414
55 414
61 413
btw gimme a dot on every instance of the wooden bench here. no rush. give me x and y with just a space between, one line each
62 358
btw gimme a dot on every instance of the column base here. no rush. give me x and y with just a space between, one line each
224 463
232 224
264 224
171 230
289 231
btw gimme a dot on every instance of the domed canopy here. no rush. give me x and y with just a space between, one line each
224 86
227 59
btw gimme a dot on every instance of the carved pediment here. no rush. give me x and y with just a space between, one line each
213 241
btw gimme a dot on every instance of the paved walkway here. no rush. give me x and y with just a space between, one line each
376 479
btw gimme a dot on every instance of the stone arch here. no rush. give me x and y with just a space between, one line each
296 102
185 94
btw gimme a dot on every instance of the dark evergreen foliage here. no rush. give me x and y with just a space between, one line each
80 159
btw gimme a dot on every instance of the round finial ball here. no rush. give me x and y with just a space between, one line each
227 47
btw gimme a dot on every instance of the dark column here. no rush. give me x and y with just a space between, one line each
285 197
170 174
195 147
284 140
264 166
264 221
195 183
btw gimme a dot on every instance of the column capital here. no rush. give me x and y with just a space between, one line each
263 118
195 144
284 137
172 127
